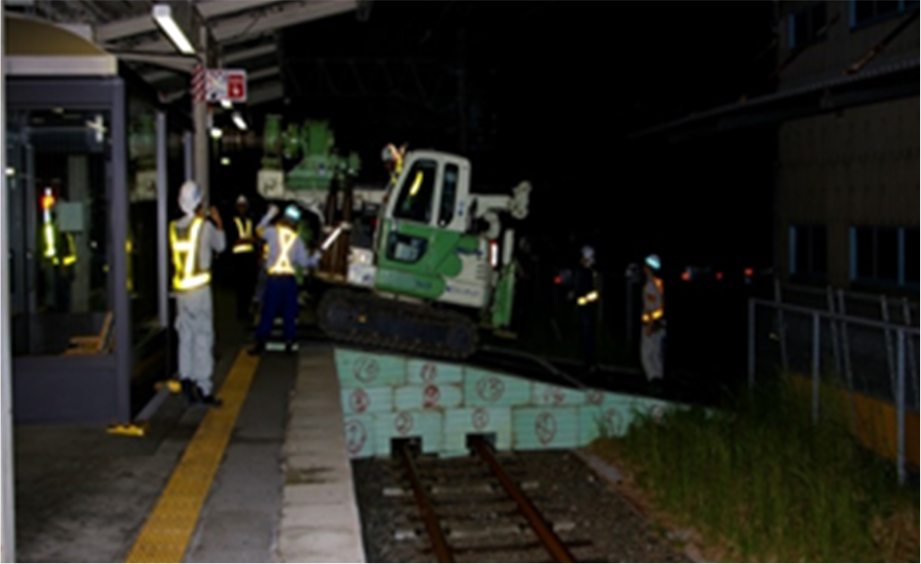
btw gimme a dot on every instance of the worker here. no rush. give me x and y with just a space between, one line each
587 293
245 259
653 343
192 240
393 160
59 252
286 250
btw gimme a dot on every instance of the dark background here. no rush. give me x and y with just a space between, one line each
551 92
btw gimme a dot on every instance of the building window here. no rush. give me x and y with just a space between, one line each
884 256
806 24
808 251
910 252
871 11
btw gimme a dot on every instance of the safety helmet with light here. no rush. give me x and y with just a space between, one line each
292 213
653 262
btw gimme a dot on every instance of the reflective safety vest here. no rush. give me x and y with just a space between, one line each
189 276
52 237
591 296
244 231
654 309
285 240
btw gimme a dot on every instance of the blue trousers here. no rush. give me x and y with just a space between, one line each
280 292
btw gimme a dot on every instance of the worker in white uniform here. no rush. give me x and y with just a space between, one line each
652 347
192 239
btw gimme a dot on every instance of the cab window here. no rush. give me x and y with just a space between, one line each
417 194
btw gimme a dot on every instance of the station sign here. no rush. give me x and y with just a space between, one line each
225 85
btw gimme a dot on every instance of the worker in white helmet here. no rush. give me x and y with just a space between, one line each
192 239
286 250
588 297
653 338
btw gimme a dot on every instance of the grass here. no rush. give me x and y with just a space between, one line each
760 483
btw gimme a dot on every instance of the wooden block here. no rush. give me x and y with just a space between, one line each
423 425
360 435
358 369
425 372
459 423
483 388
538 428
356 401
546 394
431 396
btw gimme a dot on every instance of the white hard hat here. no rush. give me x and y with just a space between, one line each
242 200
653 262
189 197
293 213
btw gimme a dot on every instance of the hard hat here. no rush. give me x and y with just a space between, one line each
293 213
388 153
242 200
653 262
588 252
189 197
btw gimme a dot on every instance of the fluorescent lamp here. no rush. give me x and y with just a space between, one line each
238 120
162 14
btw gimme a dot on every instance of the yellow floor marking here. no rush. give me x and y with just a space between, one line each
165 537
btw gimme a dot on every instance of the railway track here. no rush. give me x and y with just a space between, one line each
479 509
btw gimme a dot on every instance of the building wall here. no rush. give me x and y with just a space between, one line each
845 43
852 168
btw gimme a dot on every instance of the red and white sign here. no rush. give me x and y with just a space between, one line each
226 84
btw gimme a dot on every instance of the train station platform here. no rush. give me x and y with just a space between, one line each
267 476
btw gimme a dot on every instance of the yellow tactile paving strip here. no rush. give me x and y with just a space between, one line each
165 537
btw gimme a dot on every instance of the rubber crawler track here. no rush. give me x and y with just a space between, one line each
367 320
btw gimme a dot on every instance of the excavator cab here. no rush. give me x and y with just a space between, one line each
425 248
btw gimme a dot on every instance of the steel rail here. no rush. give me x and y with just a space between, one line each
439 543
545 533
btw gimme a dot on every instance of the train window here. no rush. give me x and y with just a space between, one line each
60 232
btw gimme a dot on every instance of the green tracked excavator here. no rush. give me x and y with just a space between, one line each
421 265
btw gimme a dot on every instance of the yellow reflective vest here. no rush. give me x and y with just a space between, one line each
185 245
244 235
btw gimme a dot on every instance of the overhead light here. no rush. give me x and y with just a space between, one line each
216 132
10 171
225 161
238 120
163 15
226 104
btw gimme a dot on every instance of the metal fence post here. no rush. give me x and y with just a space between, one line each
900 405
845 343
781 330
836 348
884 309
751 343
815 367
912 353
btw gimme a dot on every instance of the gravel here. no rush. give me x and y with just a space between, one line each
588 514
